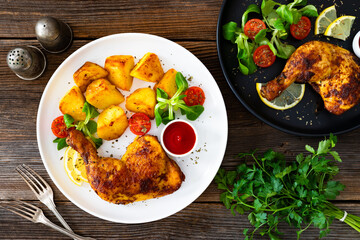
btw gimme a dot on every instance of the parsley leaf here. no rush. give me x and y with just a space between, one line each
333 189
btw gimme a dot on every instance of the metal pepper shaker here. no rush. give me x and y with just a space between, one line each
28 63
54 35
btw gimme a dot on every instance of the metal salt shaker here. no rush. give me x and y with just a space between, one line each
54 35
28 63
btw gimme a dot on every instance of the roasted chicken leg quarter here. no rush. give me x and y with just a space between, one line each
144 172
331 70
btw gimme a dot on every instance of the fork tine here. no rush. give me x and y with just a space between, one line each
28 180
22 209
33 174
18 211
20 214
27 206
45 184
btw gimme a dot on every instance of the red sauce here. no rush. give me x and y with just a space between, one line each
179 138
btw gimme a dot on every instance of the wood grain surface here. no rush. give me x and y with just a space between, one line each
190 23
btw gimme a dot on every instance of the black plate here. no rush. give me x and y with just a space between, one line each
307 118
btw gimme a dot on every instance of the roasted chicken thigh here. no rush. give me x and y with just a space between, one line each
331 70
144 172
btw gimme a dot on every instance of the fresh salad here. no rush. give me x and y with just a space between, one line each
260 41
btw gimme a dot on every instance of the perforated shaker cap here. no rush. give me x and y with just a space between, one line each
27 63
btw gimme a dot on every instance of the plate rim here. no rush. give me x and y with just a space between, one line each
58 185
250 109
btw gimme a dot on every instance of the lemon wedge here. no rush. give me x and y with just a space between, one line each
74 166
340 28
325 18
288 98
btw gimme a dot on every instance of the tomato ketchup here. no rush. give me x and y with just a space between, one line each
179 137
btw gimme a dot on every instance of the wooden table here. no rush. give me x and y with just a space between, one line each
192 24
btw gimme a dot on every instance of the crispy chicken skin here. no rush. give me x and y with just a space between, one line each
144 172
331 70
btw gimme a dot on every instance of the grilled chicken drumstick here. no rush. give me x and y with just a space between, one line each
332 71
144 172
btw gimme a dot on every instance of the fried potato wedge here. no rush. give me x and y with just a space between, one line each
72 103
142 100
119 67
148 68
112 123
102 94
167 83
88 73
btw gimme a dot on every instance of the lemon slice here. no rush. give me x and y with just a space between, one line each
70 169
326 17
79 166
340 28
288 98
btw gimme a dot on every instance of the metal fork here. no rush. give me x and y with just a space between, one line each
36 215
41 189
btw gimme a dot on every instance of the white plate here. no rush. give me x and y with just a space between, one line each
199 168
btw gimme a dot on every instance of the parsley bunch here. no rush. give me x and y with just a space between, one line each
275 192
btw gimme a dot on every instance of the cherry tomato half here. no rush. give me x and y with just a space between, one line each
253 27
263 56
301 29
194 96
58 127
139 124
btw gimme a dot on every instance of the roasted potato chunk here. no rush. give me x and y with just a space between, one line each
112 123
88 73
148 68
72 103
142 100
102 94
119 67
167 83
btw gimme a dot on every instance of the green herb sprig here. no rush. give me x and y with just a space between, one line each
278 18
165 108
297 193
88 126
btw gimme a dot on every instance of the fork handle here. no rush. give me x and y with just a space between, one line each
52 207
47 222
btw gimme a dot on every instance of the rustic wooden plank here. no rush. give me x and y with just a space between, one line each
191 19
198 221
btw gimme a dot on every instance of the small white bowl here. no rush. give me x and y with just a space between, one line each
356 44
167 150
